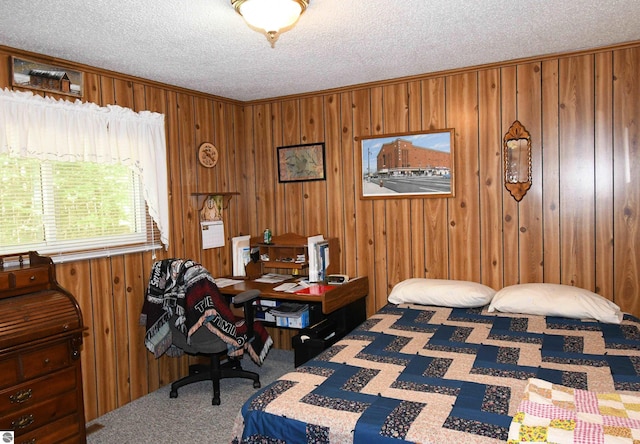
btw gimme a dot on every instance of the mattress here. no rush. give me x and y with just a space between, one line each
428 374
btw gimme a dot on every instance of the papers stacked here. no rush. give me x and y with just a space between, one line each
272 278
226 282
290 314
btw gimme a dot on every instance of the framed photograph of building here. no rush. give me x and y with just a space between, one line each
419 164
297 163
40 76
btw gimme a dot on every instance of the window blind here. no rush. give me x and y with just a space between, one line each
81 207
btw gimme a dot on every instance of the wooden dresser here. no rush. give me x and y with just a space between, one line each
40 337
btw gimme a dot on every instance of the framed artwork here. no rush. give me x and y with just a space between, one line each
297 163
418 164
44 77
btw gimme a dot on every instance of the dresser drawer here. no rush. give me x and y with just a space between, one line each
29 393
31 277
65 430
45 360
27 420
8 372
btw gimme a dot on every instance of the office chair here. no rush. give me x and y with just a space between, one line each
204 342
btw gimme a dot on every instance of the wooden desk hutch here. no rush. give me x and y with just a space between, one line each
40 337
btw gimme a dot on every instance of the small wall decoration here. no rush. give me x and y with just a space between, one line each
40 76
517 160
298 163
417 164
212 208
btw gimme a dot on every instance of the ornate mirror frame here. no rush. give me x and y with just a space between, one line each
517 160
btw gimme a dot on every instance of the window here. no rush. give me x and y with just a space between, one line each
58 207
80 178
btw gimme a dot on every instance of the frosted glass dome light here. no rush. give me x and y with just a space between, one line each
270 16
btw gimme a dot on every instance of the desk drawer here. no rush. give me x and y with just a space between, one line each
31 277
26 420
33 392
45 360
4 281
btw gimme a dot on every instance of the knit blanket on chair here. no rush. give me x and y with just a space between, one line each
186 289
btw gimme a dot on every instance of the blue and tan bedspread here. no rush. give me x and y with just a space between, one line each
437 375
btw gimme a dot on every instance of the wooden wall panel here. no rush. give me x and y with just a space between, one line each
187 163
206 179
434 116
245 169
264 160
334 156
578 224
104 328
76 278
464 211
362 127
293 192
135 365
378 207
347 163
604 174
490 177
510 221
177 202
530 209
397 212
314 193
551 171
626 136
577 227
278 193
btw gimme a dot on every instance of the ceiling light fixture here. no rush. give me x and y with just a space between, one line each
270 16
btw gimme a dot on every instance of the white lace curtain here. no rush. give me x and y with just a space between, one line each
49 129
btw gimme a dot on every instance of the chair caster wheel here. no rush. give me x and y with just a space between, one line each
256 384
173 394
215 401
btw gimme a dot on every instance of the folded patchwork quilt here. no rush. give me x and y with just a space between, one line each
552 413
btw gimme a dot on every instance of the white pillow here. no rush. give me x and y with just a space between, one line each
441 292
555 300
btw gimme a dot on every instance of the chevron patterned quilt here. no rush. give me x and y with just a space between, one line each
426 374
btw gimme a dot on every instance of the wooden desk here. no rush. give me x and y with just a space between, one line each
345 305
339 297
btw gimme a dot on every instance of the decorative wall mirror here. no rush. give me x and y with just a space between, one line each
517 160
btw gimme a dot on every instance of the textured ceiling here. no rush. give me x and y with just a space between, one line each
204 45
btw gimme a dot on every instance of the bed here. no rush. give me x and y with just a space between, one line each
458 369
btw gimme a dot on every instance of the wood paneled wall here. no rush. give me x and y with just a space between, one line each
577 225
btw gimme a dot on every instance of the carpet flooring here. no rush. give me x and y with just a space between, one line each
189 418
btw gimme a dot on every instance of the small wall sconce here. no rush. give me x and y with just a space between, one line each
517 160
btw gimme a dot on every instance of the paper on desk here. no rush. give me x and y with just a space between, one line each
226 282
288 287
272 278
